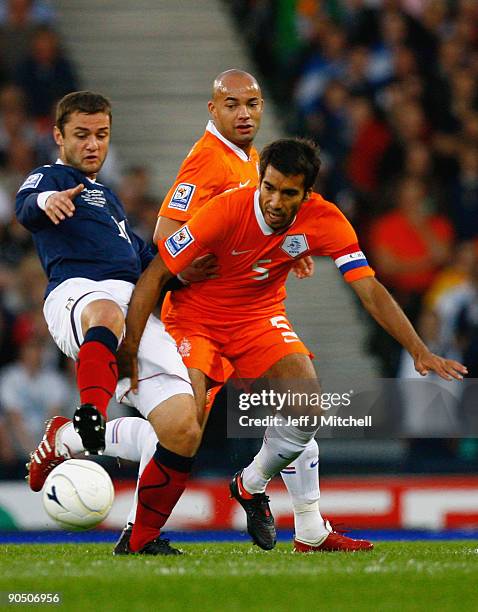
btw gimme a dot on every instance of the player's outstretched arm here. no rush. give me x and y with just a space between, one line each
59 204
385 310
144 299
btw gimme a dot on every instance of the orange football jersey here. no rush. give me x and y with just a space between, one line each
254 260
213 166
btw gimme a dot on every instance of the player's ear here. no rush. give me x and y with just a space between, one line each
211 107
58 137
307 194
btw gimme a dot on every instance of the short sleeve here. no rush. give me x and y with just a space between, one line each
201 235
341 244
200 179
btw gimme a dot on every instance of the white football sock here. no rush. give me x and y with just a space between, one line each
301 478
123 438
130 438
281 446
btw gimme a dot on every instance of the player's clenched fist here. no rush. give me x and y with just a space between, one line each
60 204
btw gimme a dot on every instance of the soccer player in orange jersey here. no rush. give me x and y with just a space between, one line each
256 235
225 158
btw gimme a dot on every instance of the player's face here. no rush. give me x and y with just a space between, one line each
236 111
281 197
84 145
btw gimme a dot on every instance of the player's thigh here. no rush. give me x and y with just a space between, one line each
199 350
64 307
292 366
105 313
161 371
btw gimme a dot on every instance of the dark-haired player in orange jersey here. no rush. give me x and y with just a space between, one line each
256 236
225 158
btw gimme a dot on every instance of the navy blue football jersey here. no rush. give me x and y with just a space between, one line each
95 243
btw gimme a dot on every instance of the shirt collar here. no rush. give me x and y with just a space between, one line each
265 229
210 127
58 161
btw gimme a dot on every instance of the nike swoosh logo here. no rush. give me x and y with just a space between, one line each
314 464
241 185
234 252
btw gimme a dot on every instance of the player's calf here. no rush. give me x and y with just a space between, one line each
164 478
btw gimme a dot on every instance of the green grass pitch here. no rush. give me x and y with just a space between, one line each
229 577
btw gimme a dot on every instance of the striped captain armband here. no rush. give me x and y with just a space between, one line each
352 263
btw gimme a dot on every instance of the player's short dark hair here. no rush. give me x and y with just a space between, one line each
82 102
292 156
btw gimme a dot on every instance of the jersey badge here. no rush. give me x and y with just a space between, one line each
184 347
95 197
182 196
32 181
295 245
178 241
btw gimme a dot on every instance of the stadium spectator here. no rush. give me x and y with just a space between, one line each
30 393
464 194
20 156
45 75
15 124
369 137
140 207
410 244
16 32
409 126
327 64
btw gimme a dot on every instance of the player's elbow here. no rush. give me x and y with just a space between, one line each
161 272
371 293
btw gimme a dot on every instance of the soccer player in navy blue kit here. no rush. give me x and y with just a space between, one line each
92 260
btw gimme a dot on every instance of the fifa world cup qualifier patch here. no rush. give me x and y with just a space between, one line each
182 196
32 181
180 240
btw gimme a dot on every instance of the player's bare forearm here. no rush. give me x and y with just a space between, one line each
165 227
385 310
144 298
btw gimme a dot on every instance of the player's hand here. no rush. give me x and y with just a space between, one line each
202 268
60 204
304 267
127 359
447 369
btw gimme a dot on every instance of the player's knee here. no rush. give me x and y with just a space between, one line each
103 313
188 434
176 425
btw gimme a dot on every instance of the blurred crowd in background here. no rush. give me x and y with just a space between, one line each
36 382
387 88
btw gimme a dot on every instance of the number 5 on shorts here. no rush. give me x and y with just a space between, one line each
282 323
